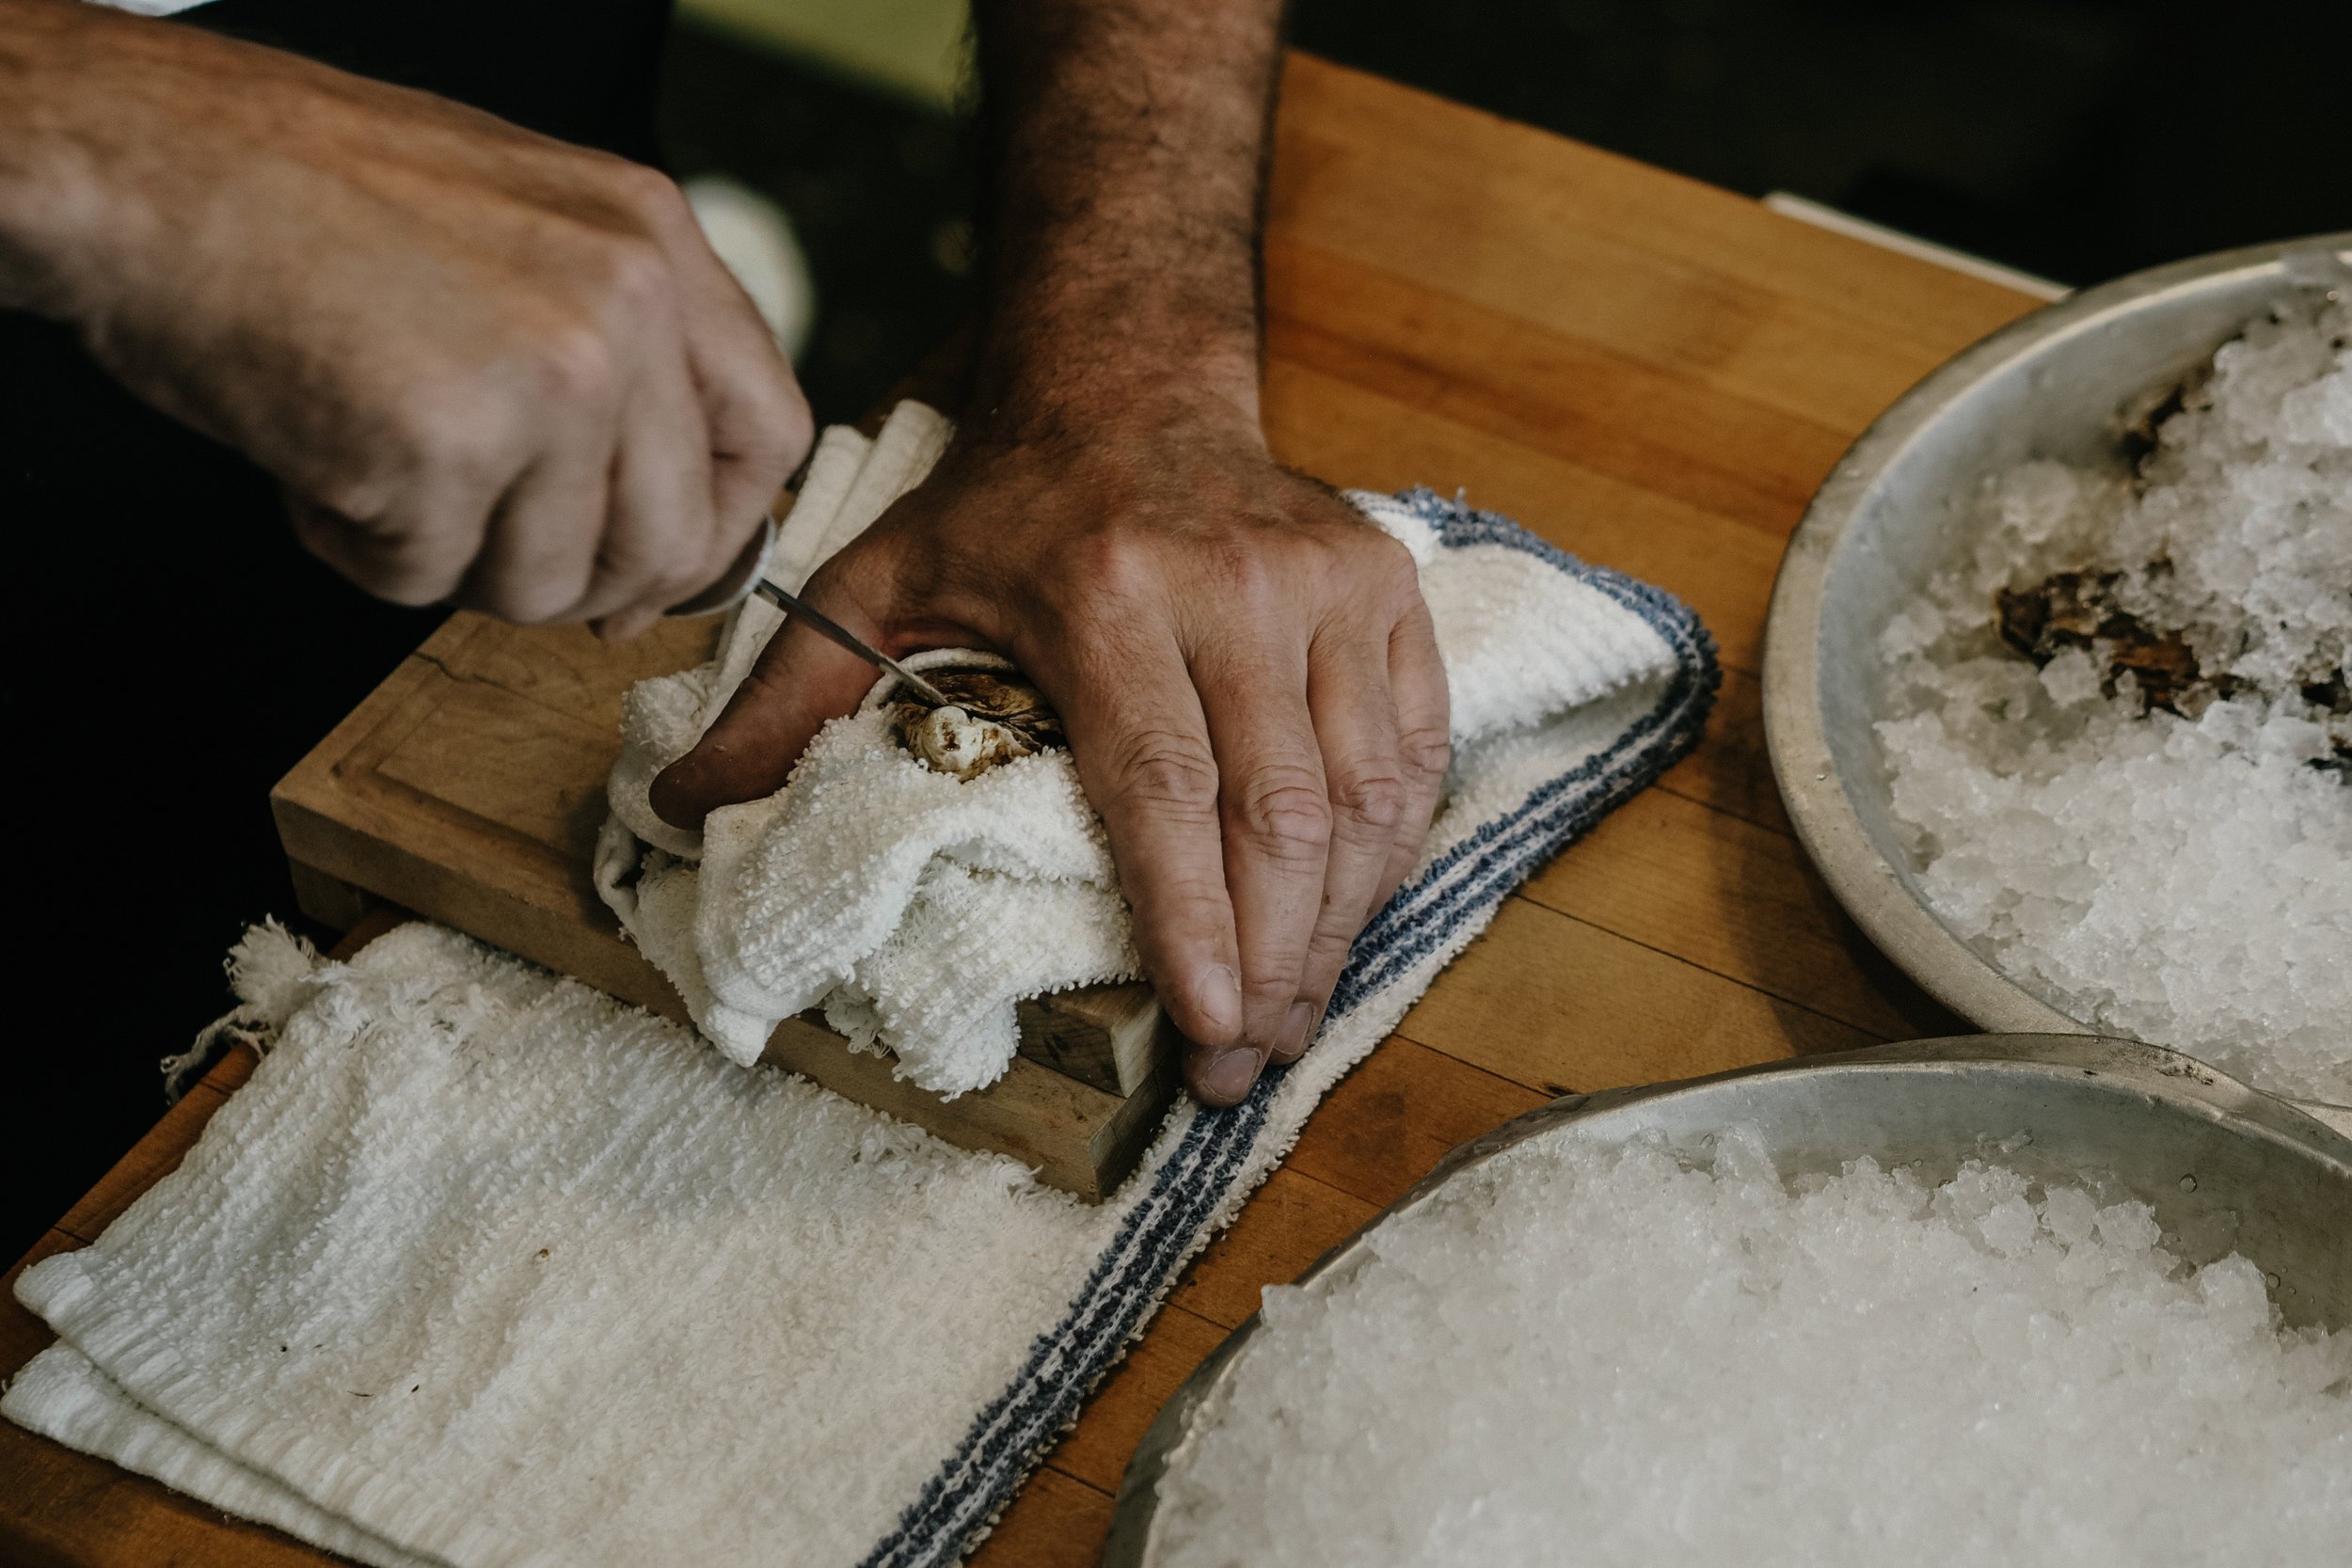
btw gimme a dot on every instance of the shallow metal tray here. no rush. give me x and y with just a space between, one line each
2270 1179
2066 382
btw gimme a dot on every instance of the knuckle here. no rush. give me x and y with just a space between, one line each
632 277
645 191
779 419
1275 986
1164 769
1378 573
1247 573
457 433
337 500
1112 566
1399 574
629 565
1335 932
769 683
1282 812
1424 751
1188 906
577 365
769 428
1371 795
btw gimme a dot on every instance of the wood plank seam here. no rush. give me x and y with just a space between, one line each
1740 646
1072 1476
1693 964
1730 478
1703 968
1774 827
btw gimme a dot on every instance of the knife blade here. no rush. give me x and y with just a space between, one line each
749 575
841 635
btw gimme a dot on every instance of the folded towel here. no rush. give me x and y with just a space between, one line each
482 1268
918 908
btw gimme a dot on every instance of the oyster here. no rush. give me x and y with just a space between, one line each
2080 609
992 717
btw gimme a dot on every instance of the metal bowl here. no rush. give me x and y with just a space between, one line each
2066 382
2270 1181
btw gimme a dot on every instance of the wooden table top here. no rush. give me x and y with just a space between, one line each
1653 374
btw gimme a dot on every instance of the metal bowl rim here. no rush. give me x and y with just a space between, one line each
2149 1069
1873 892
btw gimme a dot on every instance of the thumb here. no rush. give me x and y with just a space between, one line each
798 682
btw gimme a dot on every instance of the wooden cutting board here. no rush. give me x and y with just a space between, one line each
1651 373
469 787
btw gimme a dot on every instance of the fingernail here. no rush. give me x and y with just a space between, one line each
1217 994
1295 1027
1229 1076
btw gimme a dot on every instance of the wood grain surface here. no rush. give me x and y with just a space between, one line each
1651 373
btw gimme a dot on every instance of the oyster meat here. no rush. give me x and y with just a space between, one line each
992 717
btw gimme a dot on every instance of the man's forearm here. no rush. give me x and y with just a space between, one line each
1127 148
41 197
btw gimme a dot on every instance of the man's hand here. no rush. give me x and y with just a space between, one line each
1244 667
486 366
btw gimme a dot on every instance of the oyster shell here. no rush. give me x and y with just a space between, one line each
992 717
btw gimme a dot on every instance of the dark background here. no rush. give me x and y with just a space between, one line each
171 652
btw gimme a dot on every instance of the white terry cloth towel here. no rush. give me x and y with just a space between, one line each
918 908
483 1269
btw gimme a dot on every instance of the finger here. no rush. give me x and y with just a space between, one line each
799 681
1141 745
660 541
754 412
541 547
1275 809
418 549
1424 733
757 419
1355 721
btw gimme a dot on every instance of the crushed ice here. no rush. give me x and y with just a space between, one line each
2181 873
1588 1356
